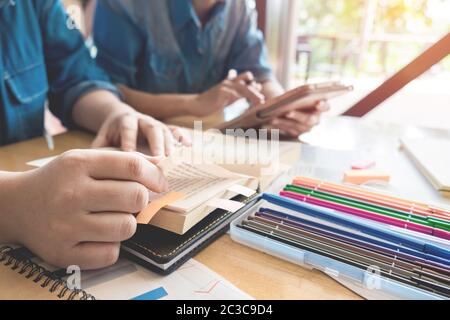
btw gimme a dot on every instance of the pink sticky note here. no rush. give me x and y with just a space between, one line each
363 164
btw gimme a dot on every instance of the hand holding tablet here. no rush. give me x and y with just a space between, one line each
296 99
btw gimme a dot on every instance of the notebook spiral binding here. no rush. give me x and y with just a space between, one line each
41 276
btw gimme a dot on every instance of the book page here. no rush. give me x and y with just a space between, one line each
198 183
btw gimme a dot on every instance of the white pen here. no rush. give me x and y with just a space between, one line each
49 139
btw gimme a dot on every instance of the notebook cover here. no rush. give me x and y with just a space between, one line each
162 246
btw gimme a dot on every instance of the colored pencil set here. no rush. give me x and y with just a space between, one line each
348 225
398 212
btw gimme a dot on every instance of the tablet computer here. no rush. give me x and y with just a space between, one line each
303 96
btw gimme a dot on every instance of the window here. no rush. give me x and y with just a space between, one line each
365 41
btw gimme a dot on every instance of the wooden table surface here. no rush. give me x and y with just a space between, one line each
258 274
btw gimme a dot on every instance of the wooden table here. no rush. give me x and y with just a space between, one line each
331 149
258 274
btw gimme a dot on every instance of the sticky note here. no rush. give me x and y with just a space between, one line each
363 165
363 176
157 204
224 204
243 191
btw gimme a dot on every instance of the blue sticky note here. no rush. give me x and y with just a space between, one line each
152 295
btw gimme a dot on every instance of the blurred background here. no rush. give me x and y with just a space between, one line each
360 42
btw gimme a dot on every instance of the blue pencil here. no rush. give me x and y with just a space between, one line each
403 240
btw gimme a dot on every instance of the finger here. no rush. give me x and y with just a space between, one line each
323 106
169 142
248 92
154 160
127 166
107 227
181 136
245 77
228 96
128 133
101 140
155 138
307 119
292 128
94 255
257 86
115 196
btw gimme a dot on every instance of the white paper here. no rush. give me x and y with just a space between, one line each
192 280
40 162
225 204
242 190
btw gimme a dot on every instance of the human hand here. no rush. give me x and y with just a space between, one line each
300 121
124 129
77 209
227 92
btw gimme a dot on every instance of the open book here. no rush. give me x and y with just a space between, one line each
195 191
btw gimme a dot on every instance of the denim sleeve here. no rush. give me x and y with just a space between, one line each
71 70
248 51
119 41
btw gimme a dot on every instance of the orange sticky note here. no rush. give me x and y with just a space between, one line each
155 205
363 176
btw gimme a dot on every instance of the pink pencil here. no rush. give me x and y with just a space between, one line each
369 215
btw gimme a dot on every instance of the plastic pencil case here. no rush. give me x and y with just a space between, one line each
365 279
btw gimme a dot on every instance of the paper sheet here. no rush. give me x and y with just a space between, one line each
40 162
126 281
224 204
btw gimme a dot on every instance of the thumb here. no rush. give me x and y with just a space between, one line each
153 160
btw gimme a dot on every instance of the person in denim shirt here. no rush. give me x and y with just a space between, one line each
174 57
78 208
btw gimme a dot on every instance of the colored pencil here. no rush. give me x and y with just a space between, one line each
369 215
388 235
424 220
413 207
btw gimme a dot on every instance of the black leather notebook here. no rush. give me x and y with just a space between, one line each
163 251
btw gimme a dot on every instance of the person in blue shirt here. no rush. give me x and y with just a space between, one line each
174 57
77 209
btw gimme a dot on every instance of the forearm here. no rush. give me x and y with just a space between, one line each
91 110
159 106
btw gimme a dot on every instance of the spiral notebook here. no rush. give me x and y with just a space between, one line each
27 280
23 276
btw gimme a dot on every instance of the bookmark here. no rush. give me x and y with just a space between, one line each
224 204
243 191
157 204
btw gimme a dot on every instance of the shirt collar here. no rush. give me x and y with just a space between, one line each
182 12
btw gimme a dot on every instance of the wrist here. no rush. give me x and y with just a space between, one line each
14 197
120 108
191 105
